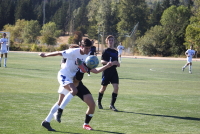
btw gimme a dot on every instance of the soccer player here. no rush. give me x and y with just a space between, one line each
110 75
189 53
120 48
4 49
93 49
83 93
67 73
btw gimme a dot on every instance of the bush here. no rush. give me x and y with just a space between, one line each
62 47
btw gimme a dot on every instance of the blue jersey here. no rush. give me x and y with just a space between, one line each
107 53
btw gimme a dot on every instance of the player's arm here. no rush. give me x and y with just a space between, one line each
100 69
57 53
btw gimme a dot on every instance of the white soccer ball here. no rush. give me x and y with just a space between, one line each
92 61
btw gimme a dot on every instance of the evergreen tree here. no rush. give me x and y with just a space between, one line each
24 10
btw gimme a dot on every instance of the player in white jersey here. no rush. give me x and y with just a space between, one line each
120 48
83 93
67 73
4 48
189 53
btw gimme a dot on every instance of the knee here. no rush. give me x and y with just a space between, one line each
74 92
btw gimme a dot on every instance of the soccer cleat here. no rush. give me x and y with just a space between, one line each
190 72
183 69
87 127
59 114
99 105
47 126
81 65
113 108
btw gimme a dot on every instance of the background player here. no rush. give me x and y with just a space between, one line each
4 49
120 48
189 53
110 75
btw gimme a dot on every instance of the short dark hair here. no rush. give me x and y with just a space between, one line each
108 37
86 42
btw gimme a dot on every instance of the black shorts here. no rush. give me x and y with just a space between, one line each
109 77
82 90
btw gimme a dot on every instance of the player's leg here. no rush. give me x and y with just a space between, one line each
100 96
46 122
88 99
190 67
5 59
114 96
1 58
115 83
85 95
66 99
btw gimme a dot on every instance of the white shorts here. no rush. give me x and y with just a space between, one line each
189 59
3 51
62 90
119 52
64 80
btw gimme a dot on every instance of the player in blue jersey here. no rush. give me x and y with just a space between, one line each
110 75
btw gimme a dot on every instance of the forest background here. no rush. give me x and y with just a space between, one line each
145 27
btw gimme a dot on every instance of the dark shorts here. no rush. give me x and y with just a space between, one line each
82 90
108 78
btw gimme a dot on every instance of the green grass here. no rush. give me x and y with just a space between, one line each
155 96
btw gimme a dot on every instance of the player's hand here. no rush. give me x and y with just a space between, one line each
109 64
42 55
116 63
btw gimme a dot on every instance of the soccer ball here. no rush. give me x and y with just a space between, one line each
92 61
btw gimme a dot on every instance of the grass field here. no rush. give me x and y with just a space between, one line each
155 97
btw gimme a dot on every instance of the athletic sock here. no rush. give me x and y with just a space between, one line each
100 97
52 111
190 68
88 118
114 97
66 100
185 66
5 60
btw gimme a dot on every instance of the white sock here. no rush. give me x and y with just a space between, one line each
5 60
185 66
66 100
52 111
190 68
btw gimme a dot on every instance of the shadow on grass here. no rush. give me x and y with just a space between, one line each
108 132
91 130
177 117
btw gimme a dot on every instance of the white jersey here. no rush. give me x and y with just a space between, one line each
120 48
4 42
190 54
66 74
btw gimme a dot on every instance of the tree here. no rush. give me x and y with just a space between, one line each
131 12
156 15
153 42
24 10
193 29
175 20
31 31
49 33
16 30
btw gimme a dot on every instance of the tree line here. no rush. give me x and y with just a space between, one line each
166 27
